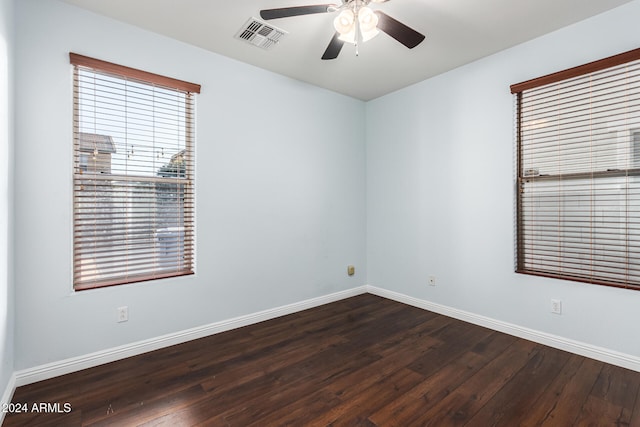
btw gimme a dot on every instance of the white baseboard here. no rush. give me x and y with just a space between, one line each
7 395
576 347
51 370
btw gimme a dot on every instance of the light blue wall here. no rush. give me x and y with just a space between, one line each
280 190
291 189
6 192
440 191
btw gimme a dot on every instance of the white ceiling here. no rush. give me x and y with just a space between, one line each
458 32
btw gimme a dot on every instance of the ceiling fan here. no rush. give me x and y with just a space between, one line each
356 22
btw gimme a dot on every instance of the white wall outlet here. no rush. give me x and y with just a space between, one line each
123 314
556 306
432 280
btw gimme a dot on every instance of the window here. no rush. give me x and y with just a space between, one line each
578 173
133 182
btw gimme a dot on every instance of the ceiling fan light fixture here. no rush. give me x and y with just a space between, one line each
345 22
368 35
349 37
368 20
368 23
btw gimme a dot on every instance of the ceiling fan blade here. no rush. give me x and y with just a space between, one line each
334 48
285 12
396 29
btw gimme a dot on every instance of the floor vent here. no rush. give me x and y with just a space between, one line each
260 34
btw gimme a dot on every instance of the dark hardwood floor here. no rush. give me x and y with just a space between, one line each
363 361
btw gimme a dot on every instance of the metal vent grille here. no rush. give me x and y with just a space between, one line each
260 34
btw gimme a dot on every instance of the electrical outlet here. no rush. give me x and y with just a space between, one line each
432 280
123 314
556 306
351 270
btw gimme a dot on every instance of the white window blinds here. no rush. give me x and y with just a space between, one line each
578 189
133 179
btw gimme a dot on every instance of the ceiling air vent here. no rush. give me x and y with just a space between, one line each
260 34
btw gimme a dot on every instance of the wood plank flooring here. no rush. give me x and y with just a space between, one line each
363 361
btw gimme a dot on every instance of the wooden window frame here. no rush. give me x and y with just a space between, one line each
524 177
182 181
